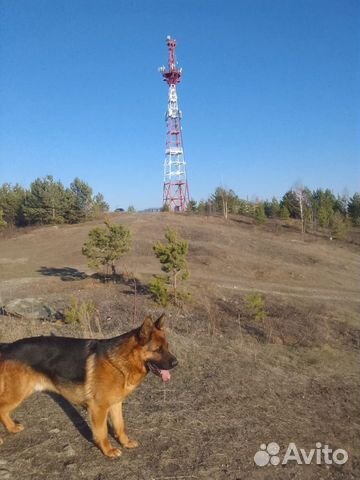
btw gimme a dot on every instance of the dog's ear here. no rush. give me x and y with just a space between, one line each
145 330
160 322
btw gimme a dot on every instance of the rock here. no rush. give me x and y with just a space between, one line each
4 474
32 308
68 450
55 430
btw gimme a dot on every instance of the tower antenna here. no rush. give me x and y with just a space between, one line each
175 187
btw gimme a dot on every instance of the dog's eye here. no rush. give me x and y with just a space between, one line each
159 350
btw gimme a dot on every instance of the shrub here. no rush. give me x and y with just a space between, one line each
255 306
159 288
79 312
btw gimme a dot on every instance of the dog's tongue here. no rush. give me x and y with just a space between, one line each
165 375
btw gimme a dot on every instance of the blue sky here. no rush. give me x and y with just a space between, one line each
270 94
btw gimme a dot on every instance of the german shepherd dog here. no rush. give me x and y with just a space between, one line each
98 374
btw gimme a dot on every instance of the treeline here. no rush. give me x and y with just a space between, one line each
318 208
49 202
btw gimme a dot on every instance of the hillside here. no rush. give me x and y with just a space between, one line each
240 382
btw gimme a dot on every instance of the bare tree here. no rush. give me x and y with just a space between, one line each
224 201
301 195
225 198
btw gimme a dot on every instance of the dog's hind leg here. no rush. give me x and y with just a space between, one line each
98 417
118 423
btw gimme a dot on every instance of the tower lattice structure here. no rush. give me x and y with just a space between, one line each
175 188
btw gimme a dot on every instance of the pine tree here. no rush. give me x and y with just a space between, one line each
99 206
2 221
45 203
172 256
354 208
82 201
339 226
259 214
191 206
284 213
105 246
201 207
11 201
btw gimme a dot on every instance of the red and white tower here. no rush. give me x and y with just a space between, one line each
176 190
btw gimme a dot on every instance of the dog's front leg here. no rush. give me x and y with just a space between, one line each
98 418
119 426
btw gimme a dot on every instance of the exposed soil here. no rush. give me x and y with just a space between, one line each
241 382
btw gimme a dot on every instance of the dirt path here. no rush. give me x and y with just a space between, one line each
266 288
298 292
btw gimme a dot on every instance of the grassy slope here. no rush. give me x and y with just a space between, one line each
293 377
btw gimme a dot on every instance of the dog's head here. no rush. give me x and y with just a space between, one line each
155 348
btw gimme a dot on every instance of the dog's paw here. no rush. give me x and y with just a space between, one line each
113 452
131 443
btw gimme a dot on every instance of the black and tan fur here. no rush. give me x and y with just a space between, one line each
98 374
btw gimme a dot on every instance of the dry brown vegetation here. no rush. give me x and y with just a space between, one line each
241 381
